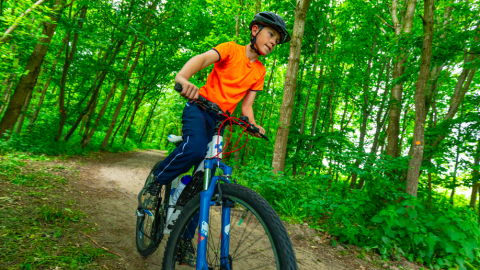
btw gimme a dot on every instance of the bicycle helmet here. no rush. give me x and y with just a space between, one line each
270 19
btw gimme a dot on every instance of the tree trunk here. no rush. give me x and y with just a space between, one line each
437 69
88 119
66 66
406 120
280 149
138 101
298 99
86 141
305 106
82 126
475 176
398 70
148 120
318 104
429 186
245 155
380 121
39 104
454 182
45 87
318 100
21 119
103 74
121 122
236 158
420 112
96 90
10 81
27 82
478 207
345 108
161 136
330 106
267 133
151 136
456 100
258 6
268 88
122 96
365 113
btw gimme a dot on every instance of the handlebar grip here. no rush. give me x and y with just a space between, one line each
179 88
256 130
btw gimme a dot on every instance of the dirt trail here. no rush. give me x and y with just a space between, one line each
110 186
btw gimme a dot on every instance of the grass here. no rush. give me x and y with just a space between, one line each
41 225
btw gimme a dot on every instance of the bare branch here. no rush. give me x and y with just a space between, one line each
421 17
7 36
385 22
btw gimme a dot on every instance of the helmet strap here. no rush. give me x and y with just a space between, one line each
253 40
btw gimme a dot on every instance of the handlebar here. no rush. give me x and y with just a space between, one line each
205 104
202 102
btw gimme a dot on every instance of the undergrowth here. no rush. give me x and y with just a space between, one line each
41 226
379 217
40 139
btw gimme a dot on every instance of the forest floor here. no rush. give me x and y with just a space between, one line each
105 187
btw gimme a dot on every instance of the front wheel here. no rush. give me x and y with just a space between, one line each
258 239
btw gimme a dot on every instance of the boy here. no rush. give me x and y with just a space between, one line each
237 75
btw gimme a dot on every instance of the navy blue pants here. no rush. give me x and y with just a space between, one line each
197 133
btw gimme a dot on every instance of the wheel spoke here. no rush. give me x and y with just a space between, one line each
251 244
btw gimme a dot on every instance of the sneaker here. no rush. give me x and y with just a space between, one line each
148 196
187 252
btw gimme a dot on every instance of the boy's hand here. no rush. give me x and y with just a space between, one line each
190 91
262 131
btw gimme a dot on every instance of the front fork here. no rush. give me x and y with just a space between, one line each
205 203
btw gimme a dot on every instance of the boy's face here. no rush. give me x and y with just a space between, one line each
267 39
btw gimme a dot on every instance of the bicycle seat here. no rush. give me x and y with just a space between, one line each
174 138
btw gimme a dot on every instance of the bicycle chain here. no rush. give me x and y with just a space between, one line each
193 188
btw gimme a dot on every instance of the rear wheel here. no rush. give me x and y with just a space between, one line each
258 239
150 224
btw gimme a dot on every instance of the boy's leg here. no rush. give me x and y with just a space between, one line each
197 132
191 151
210 121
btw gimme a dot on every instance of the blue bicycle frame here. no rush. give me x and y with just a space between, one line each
209 183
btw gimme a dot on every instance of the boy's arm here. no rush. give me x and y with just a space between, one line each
194 65
247 110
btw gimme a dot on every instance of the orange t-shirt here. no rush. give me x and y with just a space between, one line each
232 76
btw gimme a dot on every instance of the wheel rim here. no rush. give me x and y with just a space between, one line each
251 243
145 229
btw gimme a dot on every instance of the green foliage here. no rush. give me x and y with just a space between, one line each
378 217
441 237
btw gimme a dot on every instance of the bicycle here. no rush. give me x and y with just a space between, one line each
231 208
